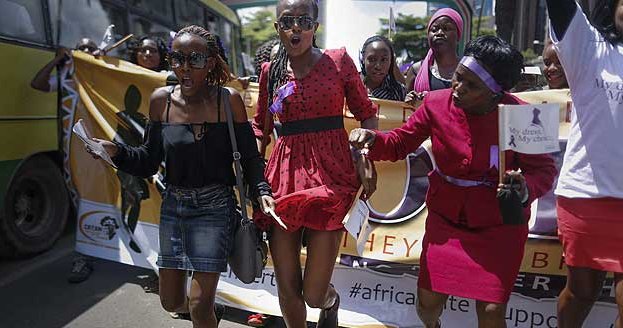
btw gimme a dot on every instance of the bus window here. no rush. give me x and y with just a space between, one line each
86 19
162 8
188 12
227 36
22 20
158 7
142 26
212 23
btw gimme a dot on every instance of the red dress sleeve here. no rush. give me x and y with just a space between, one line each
398 143
539 171
262 105
356 95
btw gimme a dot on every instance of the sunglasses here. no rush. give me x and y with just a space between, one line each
87 49
305 22
195 60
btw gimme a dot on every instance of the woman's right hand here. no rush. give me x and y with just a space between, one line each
362 138
108 146
413 97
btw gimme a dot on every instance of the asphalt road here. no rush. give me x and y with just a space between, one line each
34 293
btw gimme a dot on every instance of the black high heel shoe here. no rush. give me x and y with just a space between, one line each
328 317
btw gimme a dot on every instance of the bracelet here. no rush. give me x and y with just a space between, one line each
364 151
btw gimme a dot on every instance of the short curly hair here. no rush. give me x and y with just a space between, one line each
503 60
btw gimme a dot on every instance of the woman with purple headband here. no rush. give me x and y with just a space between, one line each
435 71
469 250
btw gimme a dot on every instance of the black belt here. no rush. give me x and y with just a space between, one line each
312 125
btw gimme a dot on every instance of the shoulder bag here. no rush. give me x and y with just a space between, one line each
250 252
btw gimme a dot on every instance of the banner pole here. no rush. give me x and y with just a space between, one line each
501 157
118 43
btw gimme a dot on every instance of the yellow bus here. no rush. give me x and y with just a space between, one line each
34 202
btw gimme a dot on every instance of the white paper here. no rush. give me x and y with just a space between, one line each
356 222
356 218
529 129
277 218
364 234
108 37
80 130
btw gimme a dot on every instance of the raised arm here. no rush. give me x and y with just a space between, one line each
144 160
560 14
41 80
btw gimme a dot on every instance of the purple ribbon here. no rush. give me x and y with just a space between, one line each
472 64
282 93
494 156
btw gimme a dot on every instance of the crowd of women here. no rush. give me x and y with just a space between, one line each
469 249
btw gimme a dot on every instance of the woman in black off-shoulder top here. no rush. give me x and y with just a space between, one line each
188 131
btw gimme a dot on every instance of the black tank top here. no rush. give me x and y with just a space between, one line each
436 83
197 154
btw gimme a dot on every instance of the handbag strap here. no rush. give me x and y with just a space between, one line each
236 154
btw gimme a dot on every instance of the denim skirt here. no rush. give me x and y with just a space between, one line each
197 228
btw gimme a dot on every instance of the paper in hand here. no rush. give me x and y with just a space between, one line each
80 130
356 222
277 218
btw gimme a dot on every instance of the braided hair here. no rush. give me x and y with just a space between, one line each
221 48
262 54
393 89
220 74
162 50
278 74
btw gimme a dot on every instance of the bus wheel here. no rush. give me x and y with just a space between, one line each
36 207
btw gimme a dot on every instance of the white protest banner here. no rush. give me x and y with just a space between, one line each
529 129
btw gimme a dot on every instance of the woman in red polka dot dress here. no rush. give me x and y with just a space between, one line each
310 169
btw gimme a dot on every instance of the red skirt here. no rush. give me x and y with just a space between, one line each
313 179
591 232
480 264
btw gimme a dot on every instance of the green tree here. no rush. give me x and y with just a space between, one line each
410 36
484 26
258 29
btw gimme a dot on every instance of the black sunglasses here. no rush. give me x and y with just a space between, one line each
87 49
305 22
195 60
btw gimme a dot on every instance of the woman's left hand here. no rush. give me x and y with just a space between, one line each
267 203
366 171
516 180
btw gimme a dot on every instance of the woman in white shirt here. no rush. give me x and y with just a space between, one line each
590 186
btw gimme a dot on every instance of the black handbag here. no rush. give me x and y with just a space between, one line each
250 252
